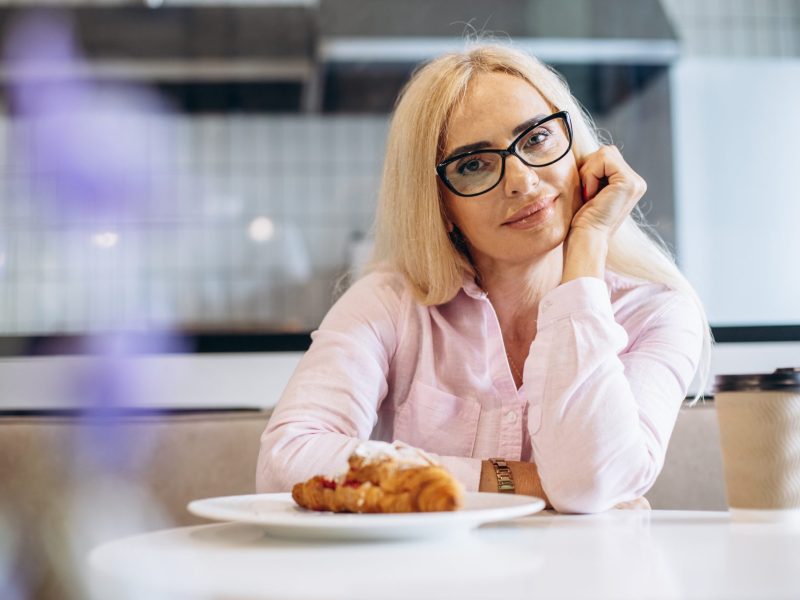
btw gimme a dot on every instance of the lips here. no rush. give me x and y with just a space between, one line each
530 209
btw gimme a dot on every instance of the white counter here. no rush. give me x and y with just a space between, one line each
257 379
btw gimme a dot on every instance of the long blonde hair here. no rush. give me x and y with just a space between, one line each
410 229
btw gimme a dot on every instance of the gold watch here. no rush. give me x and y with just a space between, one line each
505 480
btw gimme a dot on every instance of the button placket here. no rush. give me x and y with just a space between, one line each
510 442
511 429
501 367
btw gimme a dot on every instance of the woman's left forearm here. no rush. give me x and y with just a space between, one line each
584 255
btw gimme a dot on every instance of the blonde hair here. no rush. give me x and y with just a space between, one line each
410 230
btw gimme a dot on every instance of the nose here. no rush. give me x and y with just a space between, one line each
519 178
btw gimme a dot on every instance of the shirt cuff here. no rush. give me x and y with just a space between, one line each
585 294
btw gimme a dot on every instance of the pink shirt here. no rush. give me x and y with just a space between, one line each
603 383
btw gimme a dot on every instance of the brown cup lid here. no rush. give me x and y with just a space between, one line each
786 379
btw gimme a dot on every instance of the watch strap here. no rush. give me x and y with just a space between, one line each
505 479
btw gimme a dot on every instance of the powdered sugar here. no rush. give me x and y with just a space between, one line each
407 456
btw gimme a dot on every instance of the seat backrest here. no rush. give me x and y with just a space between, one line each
176 457
68 483
692 477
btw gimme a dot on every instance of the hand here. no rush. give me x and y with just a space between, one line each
639 503
605 208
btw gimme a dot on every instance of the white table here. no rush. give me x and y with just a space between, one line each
619 554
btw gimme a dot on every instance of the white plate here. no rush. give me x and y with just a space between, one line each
280 516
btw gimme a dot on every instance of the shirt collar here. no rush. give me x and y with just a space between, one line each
472 289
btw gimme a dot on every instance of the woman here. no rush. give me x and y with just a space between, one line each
514 308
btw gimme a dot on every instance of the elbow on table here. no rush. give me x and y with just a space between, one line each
268 477
596 493
580 499
269 480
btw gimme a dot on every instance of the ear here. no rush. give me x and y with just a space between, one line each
448 222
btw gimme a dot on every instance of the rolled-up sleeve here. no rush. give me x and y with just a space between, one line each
608 403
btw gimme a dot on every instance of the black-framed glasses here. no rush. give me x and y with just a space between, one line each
479 171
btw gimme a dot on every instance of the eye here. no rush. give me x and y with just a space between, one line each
537 137
472 165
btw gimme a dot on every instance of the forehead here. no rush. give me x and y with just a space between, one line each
495 103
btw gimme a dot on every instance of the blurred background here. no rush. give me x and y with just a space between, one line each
244 185
198 177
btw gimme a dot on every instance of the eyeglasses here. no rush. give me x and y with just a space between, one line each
479 171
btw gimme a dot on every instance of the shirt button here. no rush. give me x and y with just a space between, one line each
511 416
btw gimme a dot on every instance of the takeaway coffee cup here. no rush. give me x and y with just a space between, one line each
759 425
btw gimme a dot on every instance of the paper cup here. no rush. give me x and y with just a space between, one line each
759 425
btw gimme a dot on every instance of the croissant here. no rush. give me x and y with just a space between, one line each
381 487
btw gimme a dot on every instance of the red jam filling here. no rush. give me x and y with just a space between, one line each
326 483
352 483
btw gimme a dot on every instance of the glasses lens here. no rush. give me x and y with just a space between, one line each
475 173
544 143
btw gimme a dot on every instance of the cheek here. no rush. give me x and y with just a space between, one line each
571 188
575 202
467 213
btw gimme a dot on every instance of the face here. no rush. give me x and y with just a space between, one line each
498 225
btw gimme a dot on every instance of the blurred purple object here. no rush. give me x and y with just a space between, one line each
87 145
88 140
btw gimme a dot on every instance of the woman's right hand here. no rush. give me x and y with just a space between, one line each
611 188
639 503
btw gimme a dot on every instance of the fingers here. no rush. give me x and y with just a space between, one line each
640 503
607 166
597 167
611 190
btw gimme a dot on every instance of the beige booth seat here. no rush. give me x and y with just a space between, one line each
62 476
70 483
180 456
692 477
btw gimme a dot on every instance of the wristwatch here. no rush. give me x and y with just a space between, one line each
505 480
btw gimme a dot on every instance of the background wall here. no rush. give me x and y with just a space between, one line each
738 201
245 221
736 28
735 96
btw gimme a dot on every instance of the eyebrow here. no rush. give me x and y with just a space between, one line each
484 144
